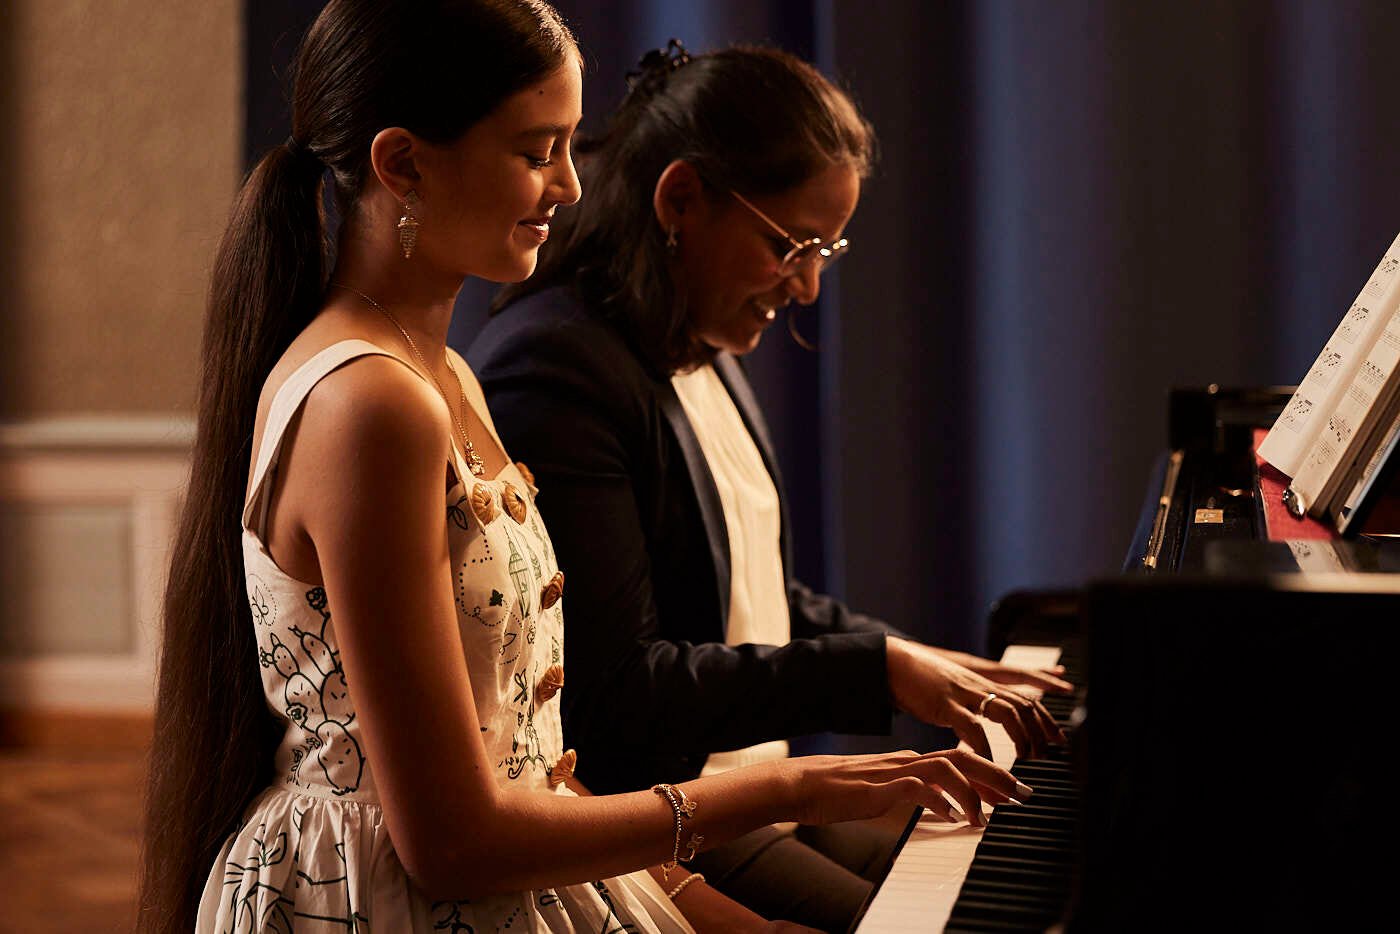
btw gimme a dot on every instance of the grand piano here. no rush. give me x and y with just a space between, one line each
1235 697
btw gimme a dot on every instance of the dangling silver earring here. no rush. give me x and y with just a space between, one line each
409 224
671 242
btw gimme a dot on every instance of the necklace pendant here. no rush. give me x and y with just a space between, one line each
474 462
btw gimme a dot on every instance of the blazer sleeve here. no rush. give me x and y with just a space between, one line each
590 436
815 614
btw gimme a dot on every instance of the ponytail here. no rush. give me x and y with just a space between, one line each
214 737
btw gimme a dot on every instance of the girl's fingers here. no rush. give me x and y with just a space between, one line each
942 773
986 774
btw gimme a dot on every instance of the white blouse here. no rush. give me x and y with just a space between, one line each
758 607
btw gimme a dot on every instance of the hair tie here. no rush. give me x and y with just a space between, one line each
654 67
300 153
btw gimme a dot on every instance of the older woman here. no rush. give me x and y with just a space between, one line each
716 196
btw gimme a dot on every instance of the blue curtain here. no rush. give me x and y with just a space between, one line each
1078 206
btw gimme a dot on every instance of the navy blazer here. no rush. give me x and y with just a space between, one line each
636 522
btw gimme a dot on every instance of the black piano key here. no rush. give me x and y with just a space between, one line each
982 926
1040 902
1025 817
1033 852
995 908
992 870
1020 875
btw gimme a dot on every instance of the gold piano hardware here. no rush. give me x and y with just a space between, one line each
1164 506
1210 516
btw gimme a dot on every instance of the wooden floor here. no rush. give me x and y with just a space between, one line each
69 820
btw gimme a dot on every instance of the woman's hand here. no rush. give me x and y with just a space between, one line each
1046 679
940 691
830 789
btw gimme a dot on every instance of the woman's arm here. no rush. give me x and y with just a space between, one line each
365 477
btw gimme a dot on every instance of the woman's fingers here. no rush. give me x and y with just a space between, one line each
1003 711
1049 728
1047 679
1026 721
969 729
1035 715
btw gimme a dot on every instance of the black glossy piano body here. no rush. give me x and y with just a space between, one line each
1231 764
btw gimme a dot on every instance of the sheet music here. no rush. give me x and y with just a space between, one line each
1316 556
1372 464
1304 418
1349 426
919 893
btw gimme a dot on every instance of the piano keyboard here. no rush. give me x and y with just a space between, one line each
1012 875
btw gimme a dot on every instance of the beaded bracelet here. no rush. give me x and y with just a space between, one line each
680 886
684 809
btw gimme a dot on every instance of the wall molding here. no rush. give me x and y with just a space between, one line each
134 462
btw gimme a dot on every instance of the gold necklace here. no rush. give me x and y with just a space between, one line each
474 462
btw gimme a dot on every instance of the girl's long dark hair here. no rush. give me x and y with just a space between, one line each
756 120
434 68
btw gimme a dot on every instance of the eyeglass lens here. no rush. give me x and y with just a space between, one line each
811 255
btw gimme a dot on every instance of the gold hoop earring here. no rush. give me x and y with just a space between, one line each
792 330
671 242
409 224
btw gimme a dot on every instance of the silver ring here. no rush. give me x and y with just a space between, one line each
982 707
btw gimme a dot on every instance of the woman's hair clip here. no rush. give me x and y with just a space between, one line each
656 65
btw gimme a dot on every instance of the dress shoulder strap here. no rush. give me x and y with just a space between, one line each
290 396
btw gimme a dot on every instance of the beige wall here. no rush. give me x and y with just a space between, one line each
124 131
121 152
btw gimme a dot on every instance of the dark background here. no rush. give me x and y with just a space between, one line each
1078 206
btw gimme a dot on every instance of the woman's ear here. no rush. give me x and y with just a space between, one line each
391 157
679 195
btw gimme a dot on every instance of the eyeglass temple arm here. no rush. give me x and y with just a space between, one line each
766 219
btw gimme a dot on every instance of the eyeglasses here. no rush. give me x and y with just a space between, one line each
812 253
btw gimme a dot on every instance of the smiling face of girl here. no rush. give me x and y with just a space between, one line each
488 196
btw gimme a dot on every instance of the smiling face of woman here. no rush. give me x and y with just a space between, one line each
728 258
487 198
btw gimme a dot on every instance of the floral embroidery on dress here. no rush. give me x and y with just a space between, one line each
317 700
262 601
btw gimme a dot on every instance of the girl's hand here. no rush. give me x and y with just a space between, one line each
829 789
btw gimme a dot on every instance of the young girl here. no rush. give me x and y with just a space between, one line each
358 717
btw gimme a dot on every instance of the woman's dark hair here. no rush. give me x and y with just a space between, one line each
755 120
433 68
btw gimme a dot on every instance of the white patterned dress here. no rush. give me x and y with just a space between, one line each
313 852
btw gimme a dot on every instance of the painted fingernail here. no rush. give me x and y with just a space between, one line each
1024 791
